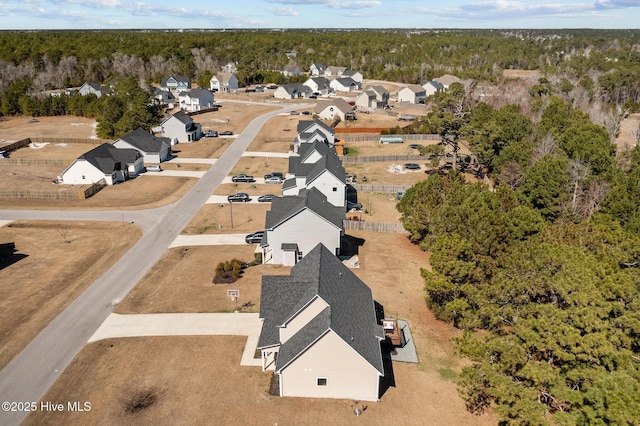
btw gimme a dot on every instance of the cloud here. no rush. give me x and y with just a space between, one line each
333 4
616 4
283 11
517 9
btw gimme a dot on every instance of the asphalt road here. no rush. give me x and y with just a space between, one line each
30 374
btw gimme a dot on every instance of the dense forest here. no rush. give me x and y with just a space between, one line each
541 269
546 262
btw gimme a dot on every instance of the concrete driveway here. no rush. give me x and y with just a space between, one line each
266 154
214 324
222 199
209 240
179 173
192 160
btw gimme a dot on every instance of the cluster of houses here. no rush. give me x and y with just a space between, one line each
123 159
322 82
417 94
320 333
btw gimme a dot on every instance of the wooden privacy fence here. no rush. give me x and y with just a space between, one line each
413 137
69 140
386 189
360 225
380 158
27 162
71 194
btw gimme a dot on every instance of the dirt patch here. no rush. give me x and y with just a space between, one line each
522 74
204 148
182 282
42 278
231 116
629 129
278 133
216 219
17 128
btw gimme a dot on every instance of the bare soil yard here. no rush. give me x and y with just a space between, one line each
232 116
278 134
204 148
260 166
205 381
216 219
387 173
41 279
182 282
17 128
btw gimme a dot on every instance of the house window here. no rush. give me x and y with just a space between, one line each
322 381
83 178
299 256
335 189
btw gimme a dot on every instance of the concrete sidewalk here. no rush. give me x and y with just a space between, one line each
178 173
222 199
192 160
214 324
265 154
209 240
4 222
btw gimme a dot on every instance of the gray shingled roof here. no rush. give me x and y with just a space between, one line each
107 158
307 149
304 125
145 141
350 314
311 171
282 208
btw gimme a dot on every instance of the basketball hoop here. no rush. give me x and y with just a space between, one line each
233 295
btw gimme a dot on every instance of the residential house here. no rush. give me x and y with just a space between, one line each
317 69
311 130
372 97
180 127
355 75
223 82
413 94
319 85
165 97
432 87
292 91
335 108
296 224
332 71
291 69
447 80
320 333
344 84
103 162
90 88
196 100
176 84
230 67
154 149
324 172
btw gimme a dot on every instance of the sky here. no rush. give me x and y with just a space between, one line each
233 14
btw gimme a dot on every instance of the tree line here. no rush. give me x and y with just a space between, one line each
546 264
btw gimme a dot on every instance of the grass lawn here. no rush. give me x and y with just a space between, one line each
45 278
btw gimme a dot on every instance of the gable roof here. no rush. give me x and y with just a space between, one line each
196 93
145 141
447 79
108 159
414 88
319 67
304 125
178 78
346 81
379 90
283 208
350 73
330 163
293 88
350 312
308 148
335 70
339 103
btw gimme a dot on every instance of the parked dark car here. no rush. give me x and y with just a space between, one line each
295 113
415 146
274 174
307 113
210 134
412 166
240 197
267 198
242 178
226 133
254 238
